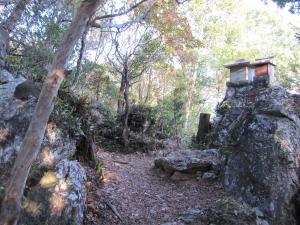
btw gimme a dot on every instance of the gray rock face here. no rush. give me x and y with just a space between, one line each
15 116
226 211
59 198
5 77
190 161
56 186
56 146
7 90
4 42
259 132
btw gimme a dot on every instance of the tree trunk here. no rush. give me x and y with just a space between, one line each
189 102
125 134
140 89
81 53
11 204
175 113
121 95
203 127
148 88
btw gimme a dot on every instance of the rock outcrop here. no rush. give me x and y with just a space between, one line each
55 192
226 211
5 77
59 197
258 130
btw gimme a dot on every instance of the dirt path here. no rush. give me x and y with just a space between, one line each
141 194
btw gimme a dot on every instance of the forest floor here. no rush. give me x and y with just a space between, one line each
133 192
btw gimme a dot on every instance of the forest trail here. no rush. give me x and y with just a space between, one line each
141 194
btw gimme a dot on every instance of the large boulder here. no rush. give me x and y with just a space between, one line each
225 213
15 116
258 130
190 161
58 198
55 191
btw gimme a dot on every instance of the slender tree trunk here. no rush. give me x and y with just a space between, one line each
98 87
79 61
175 113
11 204
148 88
140 89
189 102
121 96
125 134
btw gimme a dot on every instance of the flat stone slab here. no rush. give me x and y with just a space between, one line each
190 161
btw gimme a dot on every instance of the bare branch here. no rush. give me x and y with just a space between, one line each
118 54
100 47
7 2
10 23
121 13
115 66
181 1
125 24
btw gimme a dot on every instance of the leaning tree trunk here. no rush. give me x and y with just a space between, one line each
11 204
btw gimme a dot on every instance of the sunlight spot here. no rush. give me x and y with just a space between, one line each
4 132
51 134
31 207
47 156
111 177
57 204
62 186
49 180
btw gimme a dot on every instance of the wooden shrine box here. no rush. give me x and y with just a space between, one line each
240 71
264 70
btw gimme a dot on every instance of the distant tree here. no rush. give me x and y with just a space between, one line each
131 59
9 24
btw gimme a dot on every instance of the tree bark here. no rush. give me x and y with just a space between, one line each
121 95
203 127
140 89
148 88
81 53
11 204
125 134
